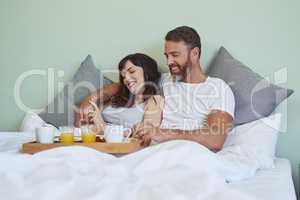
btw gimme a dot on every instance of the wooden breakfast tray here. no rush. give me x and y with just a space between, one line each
100 145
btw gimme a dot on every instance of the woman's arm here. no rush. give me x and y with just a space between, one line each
154 110
152 117
100 96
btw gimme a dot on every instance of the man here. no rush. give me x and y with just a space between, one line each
197 107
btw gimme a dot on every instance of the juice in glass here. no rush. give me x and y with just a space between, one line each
88 135
66 135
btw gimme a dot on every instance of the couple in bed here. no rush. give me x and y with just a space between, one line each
185 104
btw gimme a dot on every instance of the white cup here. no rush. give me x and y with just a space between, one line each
45 134
115 134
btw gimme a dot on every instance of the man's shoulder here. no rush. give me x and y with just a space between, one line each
217 81
165 77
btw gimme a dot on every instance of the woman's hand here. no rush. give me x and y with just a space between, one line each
96 118
85 108
147 132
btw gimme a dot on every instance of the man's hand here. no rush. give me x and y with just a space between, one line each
147 132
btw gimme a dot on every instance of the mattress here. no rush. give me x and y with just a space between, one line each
270 184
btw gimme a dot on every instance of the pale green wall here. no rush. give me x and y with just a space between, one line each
37 34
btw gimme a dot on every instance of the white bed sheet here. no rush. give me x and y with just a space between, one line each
12 141
271 184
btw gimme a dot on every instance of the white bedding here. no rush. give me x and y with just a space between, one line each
12 141
271 184
172 170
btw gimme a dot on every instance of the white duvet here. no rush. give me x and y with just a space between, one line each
172 170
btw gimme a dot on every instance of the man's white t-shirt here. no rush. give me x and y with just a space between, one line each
187 104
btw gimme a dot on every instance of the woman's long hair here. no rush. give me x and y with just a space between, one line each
151 76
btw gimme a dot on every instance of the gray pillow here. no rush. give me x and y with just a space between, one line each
86 80
255 97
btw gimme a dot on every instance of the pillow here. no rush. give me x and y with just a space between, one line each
86 80
30 122
250 147
255 97
260 135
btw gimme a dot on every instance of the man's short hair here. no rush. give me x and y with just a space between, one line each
186 34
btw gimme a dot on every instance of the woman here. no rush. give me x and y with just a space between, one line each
138 99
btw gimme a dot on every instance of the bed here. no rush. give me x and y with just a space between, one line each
269 184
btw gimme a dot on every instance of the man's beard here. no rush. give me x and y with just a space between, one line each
182 70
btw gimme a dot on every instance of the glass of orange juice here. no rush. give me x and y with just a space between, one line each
88 135
66 135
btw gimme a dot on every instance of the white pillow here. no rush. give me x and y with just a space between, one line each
250 147
261 135
30 122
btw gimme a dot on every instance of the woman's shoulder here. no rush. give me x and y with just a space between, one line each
155 101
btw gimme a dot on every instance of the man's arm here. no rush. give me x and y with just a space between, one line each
212 135
99 97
